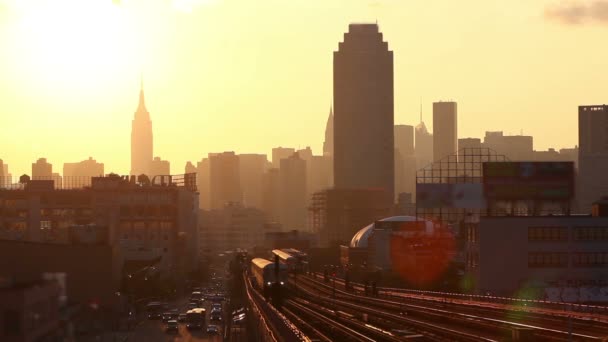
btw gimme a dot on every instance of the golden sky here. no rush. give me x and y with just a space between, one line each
249 75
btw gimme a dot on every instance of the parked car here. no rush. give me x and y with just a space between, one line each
181 318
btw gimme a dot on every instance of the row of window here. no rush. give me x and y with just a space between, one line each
554 234
561 259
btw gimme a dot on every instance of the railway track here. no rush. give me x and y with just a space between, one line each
458 320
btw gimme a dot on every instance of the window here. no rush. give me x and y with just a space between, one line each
590 259
547 260
547 234
45 225
591 233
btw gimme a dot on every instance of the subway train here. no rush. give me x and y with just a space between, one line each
293 258
265 277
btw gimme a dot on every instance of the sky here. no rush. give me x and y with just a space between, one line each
247 76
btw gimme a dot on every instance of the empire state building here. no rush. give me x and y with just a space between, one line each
141 138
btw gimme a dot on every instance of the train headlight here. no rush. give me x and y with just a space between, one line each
268 283
282 283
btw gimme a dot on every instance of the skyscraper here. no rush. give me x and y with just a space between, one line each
405 161
445 129
293 192
363 111
328 144
224 179
159 167
252 168
424 146
42 169
593 155
141 138
279 153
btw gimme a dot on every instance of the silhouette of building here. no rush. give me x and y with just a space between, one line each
231 227
252 168
405 160
224 179
335 215
190 168
141 138
202 180
42 170
279 153
293 192
445 129
593 154
271 194
320 174
144 219
363 110
159 167
424 146
514 147
79 174
328 144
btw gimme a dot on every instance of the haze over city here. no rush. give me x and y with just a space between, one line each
251 75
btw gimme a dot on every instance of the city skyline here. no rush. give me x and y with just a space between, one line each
96 98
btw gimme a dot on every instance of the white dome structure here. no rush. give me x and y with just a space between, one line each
360 239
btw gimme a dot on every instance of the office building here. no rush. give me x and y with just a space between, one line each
593 154
405 160
224 179
335 215
424 146
203 183
279 153
514 147
445 129
363 111
159 167
141 138
190 168
293 193
86 168
252 168
328 144
271 194
42 170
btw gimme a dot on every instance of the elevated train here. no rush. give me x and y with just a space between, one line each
293 258
264 272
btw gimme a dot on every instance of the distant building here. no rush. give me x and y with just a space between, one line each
190 168
252 168
319 174
424 146
302 241
404 139
279 153
231 227
328 144
363 111
445 129
271 194
141 138
469 143
203 171
405 160
42 169
224 179
514 147
29 310
293 192
86 168
335 215
159 167
593 154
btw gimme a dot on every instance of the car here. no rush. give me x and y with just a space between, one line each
172 326
212 329
216 315
181 317
166 316
216 306
192 305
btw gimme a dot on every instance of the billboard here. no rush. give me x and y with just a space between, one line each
457 195
544 181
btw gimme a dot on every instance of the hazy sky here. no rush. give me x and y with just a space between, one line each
249 75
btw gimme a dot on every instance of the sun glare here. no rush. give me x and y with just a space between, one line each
75 42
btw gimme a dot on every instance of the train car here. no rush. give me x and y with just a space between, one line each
286 258
301 257
265 276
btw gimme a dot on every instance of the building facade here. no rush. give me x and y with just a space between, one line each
224 179
141 138
293 193
445 129
593 155
363 111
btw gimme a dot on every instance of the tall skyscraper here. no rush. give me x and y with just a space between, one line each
593 155
404 139
252 167
224 179
203 183
293 192
328 144
271 194
405 161
363 111
445 129
141 138
424 146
